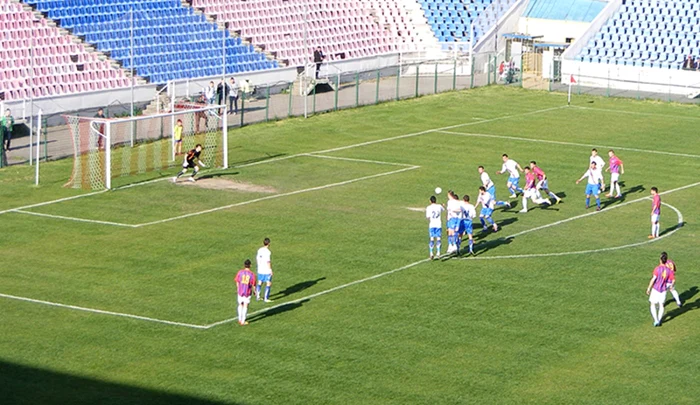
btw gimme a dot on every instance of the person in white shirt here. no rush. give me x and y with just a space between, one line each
433 213
487 204
454 218
233 96
210 93
595 178
264 270
513 169
469 213
490 186
599 164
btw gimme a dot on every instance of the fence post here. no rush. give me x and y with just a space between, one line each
454 75
417 78
267 104
488 72
357 89
337 89
376 93
435 86
291 94
398 82
45 132
471 76
314 101
242 106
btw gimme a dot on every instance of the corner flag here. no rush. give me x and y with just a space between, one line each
571 82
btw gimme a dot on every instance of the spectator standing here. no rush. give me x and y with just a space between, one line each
7 122
233 96
210 92
100 128
318 59
689 63
221 89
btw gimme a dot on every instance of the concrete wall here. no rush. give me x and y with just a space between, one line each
552 30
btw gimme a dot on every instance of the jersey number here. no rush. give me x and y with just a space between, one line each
245 279
436 214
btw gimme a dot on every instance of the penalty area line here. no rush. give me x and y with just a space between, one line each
74 219
41 204
100 311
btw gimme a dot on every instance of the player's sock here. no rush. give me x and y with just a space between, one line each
657 230
652 308
430 245
240 313
551 194
257 292
439 244
524 203
459 243
244 310
471 245
617 188
518 189
661 312
483 223
267 292
676 297
180 174
588 202
597 202
490 220
500 203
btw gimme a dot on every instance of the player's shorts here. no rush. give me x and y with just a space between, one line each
467 227
492 190
657 297
188 165
453 223
655 218
614 177
264 278
435 232
514 181
486 212
592 189
243 300
544 184
530 193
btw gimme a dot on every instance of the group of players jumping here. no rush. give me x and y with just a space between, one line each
461 213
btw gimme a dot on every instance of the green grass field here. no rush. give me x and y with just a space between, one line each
552 309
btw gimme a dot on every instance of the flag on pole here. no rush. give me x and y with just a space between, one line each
572 80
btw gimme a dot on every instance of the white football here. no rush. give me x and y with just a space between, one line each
438 190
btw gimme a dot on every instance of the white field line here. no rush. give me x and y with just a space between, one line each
408 266
92 221
318 294
52 202
271 197
635 112
516 138
99 311
580 252
378 162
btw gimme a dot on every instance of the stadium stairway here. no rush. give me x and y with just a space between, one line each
647 34
171 41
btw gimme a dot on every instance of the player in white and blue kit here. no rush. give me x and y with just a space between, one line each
490 187
487 205
595 179
433 213
454 218
469 213
513 169
264 263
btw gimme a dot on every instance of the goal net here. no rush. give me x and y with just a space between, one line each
125 148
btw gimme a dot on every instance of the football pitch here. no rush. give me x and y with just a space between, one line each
127 296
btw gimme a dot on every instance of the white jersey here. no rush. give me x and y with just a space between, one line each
511 166
599 162
263 259
594 176
486 180
433 214
468 211
454 209
487 200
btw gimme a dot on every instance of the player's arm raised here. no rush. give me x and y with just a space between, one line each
582 177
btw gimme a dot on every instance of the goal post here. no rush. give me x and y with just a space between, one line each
126 148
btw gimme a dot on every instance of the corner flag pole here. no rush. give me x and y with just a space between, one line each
571 82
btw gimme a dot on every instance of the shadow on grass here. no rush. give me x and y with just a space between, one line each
29 385
217 174
280 309
671 228
627 191
481 234
296 288
484 247
687 306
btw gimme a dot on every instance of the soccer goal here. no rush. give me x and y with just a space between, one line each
105 149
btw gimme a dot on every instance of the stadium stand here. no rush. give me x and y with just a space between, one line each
568 10
171 41
451 19
337 26
639 33
403 23
61 63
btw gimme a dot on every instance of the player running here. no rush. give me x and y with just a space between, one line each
595 178
454 217
655 212
599 164
490 187
616 168
264 266
531 190
245 282
192 161
469 213
659 283
671 286
433 213
487 204
514 170
542 182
